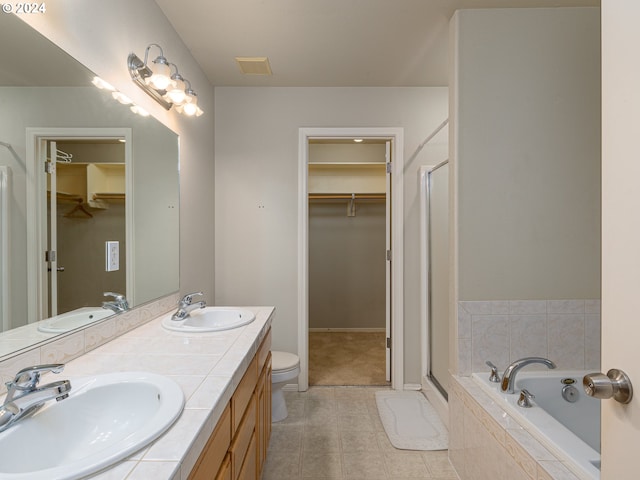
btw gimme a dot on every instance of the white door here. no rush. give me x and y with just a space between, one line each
388 265
621 231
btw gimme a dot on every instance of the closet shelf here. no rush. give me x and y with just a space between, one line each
101 199
347 196
108 196
338 165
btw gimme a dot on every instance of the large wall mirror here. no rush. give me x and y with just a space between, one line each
102 217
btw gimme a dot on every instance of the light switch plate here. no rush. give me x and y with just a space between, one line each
113 256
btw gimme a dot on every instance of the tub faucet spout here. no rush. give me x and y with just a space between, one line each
509 377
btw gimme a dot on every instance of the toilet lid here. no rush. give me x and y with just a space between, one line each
283 361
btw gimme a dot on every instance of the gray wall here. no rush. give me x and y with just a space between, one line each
257 190
526 108
347 287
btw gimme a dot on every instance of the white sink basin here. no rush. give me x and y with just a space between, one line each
73 319
210 319
105 419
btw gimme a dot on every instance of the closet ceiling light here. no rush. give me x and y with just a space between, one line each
162 82
254 65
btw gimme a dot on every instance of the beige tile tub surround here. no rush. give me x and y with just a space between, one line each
487 444
207 366
565 331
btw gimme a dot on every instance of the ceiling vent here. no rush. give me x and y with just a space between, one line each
254 65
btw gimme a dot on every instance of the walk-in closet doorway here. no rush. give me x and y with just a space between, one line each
350 329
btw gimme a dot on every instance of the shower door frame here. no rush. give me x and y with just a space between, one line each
396 136
431 391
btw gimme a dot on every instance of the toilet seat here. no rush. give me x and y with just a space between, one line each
283 362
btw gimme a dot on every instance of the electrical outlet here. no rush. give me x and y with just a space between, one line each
113 256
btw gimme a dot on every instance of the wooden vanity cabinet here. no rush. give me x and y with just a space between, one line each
236 450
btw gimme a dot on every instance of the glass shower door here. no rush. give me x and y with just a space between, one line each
438 276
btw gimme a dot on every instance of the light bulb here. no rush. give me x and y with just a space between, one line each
161 76
176 94
189 109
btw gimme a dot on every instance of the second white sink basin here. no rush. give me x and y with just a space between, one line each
210 319
74 319
105 419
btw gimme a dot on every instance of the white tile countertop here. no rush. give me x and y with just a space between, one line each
207 366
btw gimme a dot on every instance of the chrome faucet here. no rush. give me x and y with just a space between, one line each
25 397
509 376
186 305
119 303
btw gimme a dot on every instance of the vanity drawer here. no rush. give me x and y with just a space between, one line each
263 351
244 435
212 456
242 395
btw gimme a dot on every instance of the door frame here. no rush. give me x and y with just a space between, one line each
396 135
37 207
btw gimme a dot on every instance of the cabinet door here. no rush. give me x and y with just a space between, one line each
265 427
248 470
225 469
213 455
241 443
263 406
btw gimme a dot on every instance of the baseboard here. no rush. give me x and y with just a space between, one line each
347 330
437 400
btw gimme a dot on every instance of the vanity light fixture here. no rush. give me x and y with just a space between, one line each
161 80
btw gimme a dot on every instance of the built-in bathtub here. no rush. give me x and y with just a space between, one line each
570 430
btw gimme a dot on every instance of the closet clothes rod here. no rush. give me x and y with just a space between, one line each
347 196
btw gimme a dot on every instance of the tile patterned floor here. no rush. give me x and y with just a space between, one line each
347 358
336 433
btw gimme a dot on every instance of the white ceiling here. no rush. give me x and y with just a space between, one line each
327 42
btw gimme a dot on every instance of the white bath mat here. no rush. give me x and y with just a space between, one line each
411 422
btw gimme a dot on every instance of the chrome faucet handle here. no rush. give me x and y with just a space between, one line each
188 298
120 302
493 376
27 378
117 296
525 398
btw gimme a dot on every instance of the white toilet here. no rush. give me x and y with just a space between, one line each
285 367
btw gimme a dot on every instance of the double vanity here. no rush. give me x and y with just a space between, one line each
155 403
